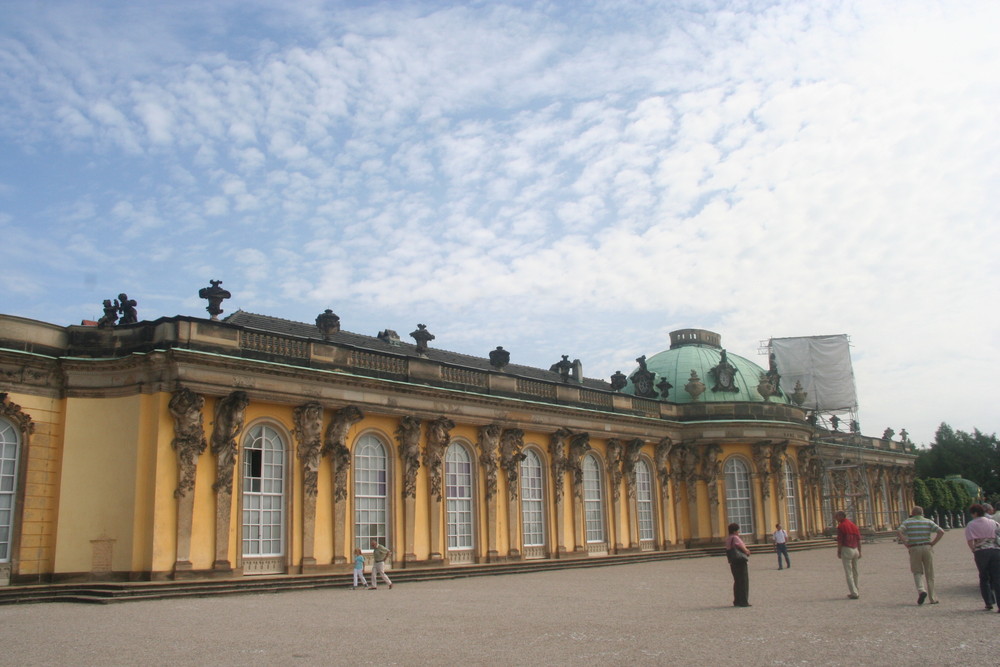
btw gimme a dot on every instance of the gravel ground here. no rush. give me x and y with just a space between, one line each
675 612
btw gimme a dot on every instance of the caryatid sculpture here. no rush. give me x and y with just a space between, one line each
710 469
189 436
489 446
560 460
408 436
511 455
579 445
336 448
438 439
308 420
613 456
629 461
229 415
662 454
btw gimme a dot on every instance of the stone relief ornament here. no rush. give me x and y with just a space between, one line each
695 387
724 374
438 439
335 446
579 445
408 436
613 455
229 414
308 431
189 436
511 455
12 411
489 446
560 460
642 379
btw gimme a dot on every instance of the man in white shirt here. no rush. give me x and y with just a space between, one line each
781 545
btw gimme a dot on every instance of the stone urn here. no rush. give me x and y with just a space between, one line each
695 387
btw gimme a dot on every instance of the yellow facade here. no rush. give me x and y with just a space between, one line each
100 472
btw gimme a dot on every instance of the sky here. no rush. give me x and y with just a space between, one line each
555 177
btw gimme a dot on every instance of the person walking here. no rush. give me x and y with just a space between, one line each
359 569
981 534
379 554
919 535
849 551
781 544
739 560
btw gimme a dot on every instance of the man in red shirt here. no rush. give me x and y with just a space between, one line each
848 551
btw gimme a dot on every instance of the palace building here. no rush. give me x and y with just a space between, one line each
201 447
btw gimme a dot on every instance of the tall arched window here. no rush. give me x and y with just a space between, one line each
593 500
10 447
739 505
263 492
791 498
371 492
532 503
644 501
458 494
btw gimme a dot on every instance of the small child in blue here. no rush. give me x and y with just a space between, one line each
359 569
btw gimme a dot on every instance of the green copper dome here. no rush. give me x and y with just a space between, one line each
726 378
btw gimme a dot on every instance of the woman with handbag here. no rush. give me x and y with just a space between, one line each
739 558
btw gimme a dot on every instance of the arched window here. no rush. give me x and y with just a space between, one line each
791 498
532 502
371 493
458 494
263 492
827 487
593 500
10 447
739 506
644 501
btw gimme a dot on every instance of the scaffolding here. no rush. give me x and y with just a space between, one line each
816 373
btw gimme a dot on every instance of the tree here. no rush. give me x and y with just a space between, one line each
961 494
940 494
921 494
974 456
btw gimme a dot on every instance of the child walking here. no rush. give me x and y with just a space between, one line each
359 570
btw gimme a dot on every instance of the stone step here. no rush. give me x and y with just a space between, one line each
109 592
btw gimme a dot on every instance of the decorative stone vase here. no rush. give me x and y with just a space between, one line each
695 387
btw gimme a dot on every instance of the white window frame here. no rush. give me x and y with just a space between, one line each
532 499
264 503
739 494
10 453
791 499
593 501
458 498
371 492
645 515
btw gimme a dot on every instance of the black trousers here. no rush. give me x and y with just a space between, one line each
988 563
741 582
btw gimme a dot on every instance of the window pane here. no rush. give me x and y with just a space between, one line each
263 485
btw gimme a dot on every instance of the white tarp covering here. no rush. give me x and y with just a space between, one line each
823 365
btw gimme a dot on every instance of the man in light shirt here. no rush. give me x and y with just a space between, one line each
781 545
919 535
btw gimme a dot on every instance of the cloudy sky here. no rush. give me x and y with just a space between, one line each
555 177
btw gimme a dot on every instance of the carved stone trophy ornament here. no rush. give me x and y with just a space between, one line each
422 336
642 380
215 296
